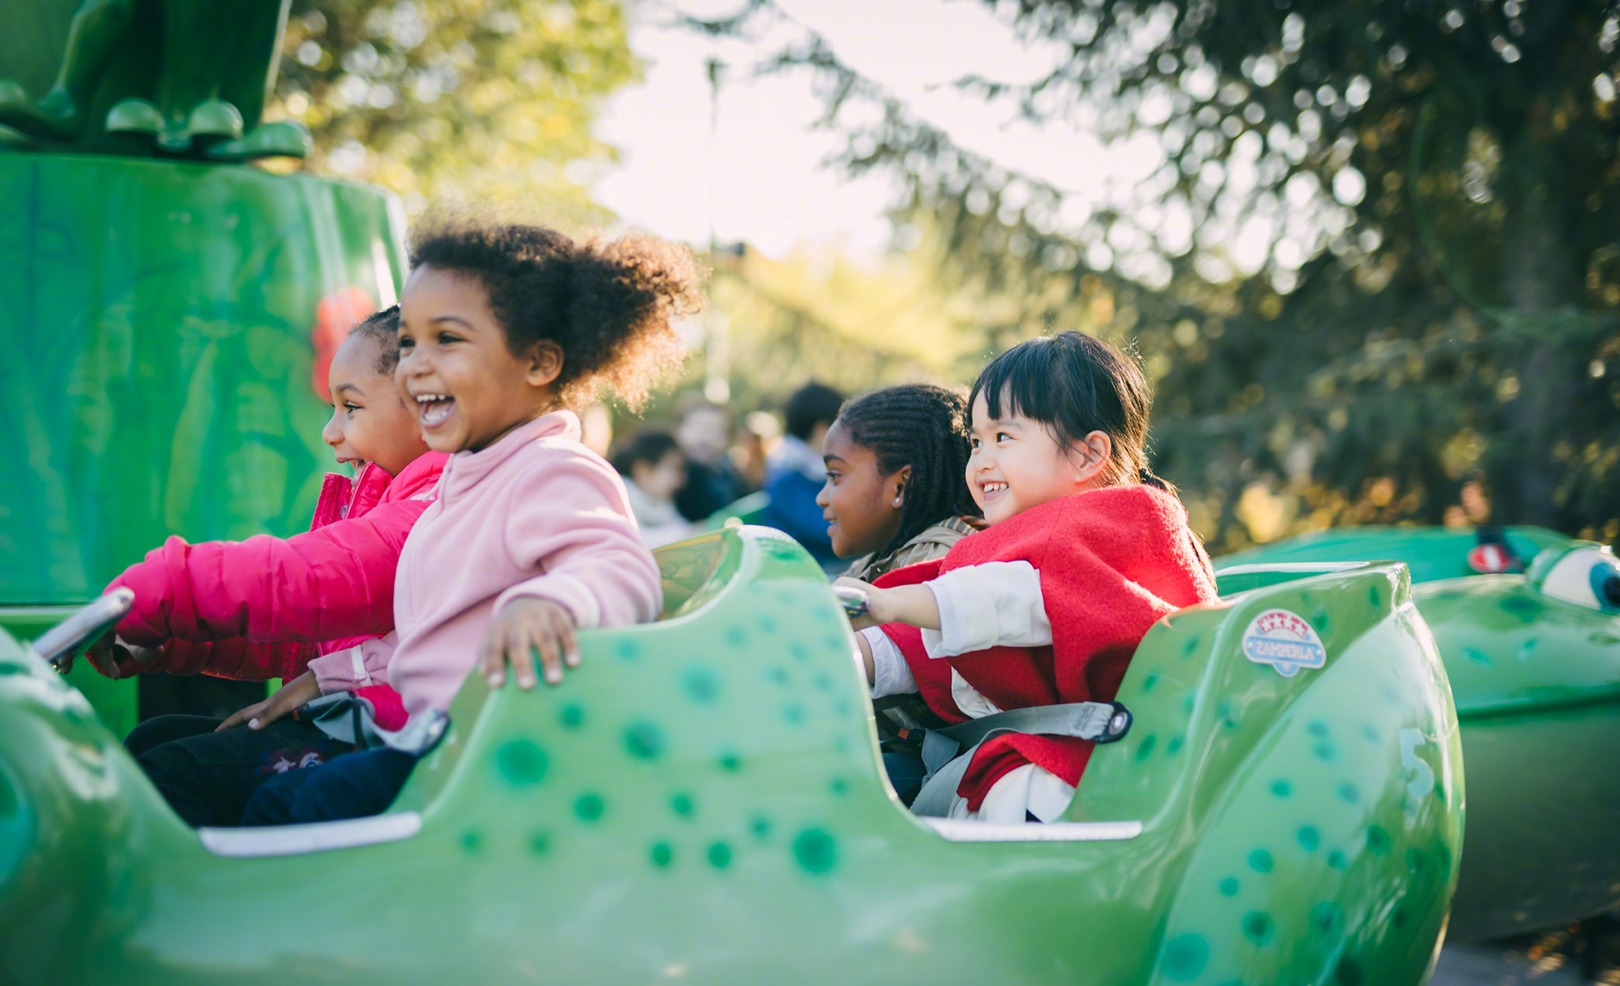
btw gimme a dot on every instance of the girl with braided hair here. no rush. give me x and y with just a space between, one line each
894 493
895 496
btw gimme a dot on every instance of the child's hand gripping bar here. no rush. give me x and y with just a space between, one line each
855 601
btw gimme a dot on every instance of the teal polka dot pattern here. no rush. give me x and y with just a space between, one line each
590 807
1327 917
719 855
1377 840
521 762
702 685
644 740
815 851
1258 927
1185 957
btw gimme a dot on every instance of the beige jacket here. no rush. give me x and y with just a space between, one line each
932 543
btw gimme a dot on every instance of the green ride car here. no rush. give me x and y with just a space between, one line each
703 801
1528 623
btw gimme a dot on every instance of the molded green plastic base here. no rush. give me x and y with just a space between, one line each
702 801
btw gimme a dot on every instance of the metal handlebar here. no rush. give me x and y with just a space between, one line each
853 600
67 640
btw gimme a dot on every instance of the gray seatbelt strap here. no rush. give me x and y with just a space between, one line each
347 719
1100 722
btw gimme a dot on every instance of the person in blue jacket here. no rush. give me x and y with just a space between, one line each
795 473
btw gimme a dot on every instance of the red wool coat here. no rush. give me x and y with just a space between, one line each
1113 561
265 607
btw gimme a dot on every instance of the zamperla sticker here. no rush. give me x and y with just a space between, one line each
1284 641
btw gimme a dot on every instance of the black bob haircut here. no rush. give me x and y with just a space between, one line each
645 446
924 427
1076 384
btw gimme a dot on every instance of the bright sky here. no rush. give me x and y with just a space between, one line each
769 186
771 190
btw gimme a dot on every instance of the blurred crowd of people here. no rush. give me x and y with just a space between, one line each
678 479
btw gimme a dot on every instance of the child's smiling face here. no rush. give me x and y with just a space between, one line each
456 371
858 502
370 422
1017 464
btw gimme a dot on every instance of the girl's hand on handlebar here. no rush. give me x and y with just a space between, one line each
527 628
295 694
913 604
116 658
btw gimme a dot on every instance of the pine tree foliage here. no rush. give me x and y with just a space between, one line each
1375 271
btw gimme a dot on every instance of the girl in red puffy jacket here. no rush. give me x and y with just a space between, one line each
267 607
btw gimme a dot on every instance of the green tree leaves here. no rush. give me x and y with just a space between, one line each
477 98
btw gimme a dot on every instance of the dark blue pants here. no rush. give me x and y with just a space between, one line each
906 772
208 777
354 786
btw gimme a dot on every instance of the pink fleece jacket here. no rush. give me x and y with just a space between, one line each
535 514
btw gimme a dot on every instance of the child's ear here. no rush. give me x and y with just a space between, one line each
1091 456
900 479
545 363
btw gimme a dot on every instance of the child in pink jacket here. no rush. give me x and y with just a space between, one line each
503 330
266 607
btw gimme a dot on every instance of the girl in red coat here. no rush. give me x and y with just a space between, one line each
269 607
1085 551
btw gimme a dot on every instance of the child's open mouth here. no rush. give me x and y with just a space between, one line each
434 409
992 490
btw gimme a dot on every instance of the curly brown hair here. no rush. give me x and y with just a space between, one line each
607 304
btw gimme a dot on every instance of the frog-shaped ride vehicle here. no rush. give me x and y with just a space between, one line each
703 801
1528 623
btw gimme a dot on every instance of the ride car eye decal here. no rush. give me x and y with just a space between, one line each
1285 641
1587 576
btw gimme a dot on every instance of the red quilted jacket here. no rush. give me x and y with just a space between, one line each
1113 561
265 607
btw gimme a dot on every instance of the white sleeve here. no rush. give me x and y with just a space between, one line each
891 675
997 604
